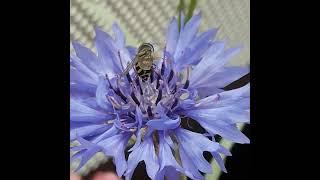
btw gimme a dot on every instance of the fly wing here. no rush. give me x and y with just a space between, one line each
129 66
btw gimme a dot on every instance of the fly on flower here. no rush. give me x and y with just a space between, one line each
110 104
143 62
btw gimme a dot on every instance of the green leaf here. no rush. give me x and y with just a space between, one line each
191 8
181 6
180 9
188 11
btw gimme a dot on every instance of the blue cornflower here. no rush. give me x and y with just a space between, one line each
107 110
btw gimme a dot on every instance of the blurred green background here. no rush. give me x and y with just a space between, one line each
147 20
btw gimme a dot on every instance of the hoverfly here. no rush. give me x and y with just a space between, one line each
143 62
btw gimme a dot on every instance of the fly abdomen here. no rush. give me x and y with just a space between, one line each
143 74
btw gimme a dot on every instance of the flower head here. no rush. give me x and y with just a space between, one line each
108 108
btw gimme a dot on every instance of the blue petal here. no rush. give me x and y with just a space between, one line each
103 36
231 106
132 51
204 38
195 50
125 56
87 74
172 173
210 56
80 73
228 74
145 152
89 130
139 132
219 160
91 102
187 34
114 146
87 57
219 80
87 155
168 139
224 151
169 172
200 45
110 132
164 123
192 158
207 91
108 50
226 98
190 169
81 113
113 50
87 150
166 157
212 63
219 113
222 126
107 58
120 38
74 124
172 36
183 60
240 92
82 90
101 92
230 113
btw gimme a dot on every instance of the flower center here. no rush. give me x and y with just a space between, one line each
156 97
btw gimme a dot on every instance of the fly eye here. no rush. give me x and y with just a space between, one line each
147 46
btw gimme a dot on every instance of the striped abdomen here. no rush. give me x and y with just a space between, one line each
143 74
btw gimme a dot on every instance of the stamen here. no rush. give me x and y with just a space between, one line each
158 82
149 111
129 78
110 85
175 103
174 89
135 99
115 104
158 75
159 96
119 93
188 72
131 115
151 75
170 76
162 68
120 61
139 86
186 85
